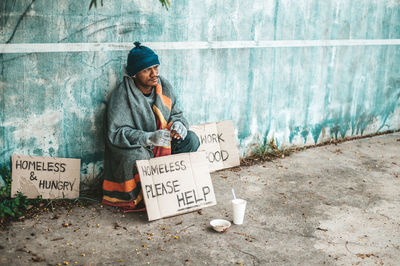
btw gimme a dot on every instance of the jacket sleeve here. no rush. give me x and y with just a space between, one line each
120 128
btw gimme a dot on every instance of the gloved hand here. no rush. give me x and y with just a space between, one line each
158 138
180 129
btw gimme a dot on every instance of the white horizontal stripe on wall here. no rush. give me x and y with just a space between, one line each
103 47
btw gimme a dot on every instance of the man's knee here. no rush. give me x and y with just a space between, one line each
193 140
190 144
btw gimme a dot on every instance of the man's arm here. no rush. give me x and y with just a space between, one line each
120 130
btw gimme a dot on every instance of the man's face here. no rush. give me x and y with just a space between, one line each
148 76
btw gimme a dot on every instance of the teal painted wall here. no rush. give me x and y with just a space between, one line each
52 104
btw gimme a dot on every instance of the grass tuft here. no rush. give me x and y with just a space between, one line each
10 207
270 151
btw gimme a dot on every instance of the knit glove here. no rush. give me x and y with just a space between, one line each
157 138
180 129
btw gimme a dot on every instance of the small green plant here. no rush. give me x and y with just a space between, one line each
10 207
269 151
164 3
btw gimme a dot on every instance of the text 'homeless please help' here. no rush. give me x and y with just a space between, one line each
184 198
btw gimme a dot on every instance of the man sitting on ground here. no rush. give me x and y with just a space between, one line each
142 122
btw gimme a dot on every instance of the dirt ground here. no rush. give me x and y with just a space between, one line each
335 205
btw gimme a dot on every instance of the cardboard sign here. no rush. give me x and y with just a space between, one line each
175 184
219 142
52 178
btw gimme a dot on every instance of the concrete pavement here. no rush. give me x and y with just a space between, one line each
336 204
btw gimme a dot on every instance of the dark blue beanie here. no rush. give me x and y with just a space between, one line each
140 58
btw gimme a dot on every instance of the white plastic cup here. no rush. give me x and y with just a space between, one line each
239 207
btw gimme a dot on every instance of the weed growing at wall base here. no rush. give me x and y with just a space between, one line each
10 207
270 151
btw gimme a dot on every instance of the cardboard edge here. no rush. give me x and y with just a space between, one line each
144 197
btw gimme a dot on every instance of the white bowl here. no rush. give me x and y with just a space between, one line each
220 225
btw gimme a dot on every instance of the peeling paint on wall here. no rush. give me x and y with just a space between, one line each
53 104
39 130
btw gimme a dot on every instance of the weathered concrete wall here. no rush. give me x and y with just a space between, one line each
52 103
